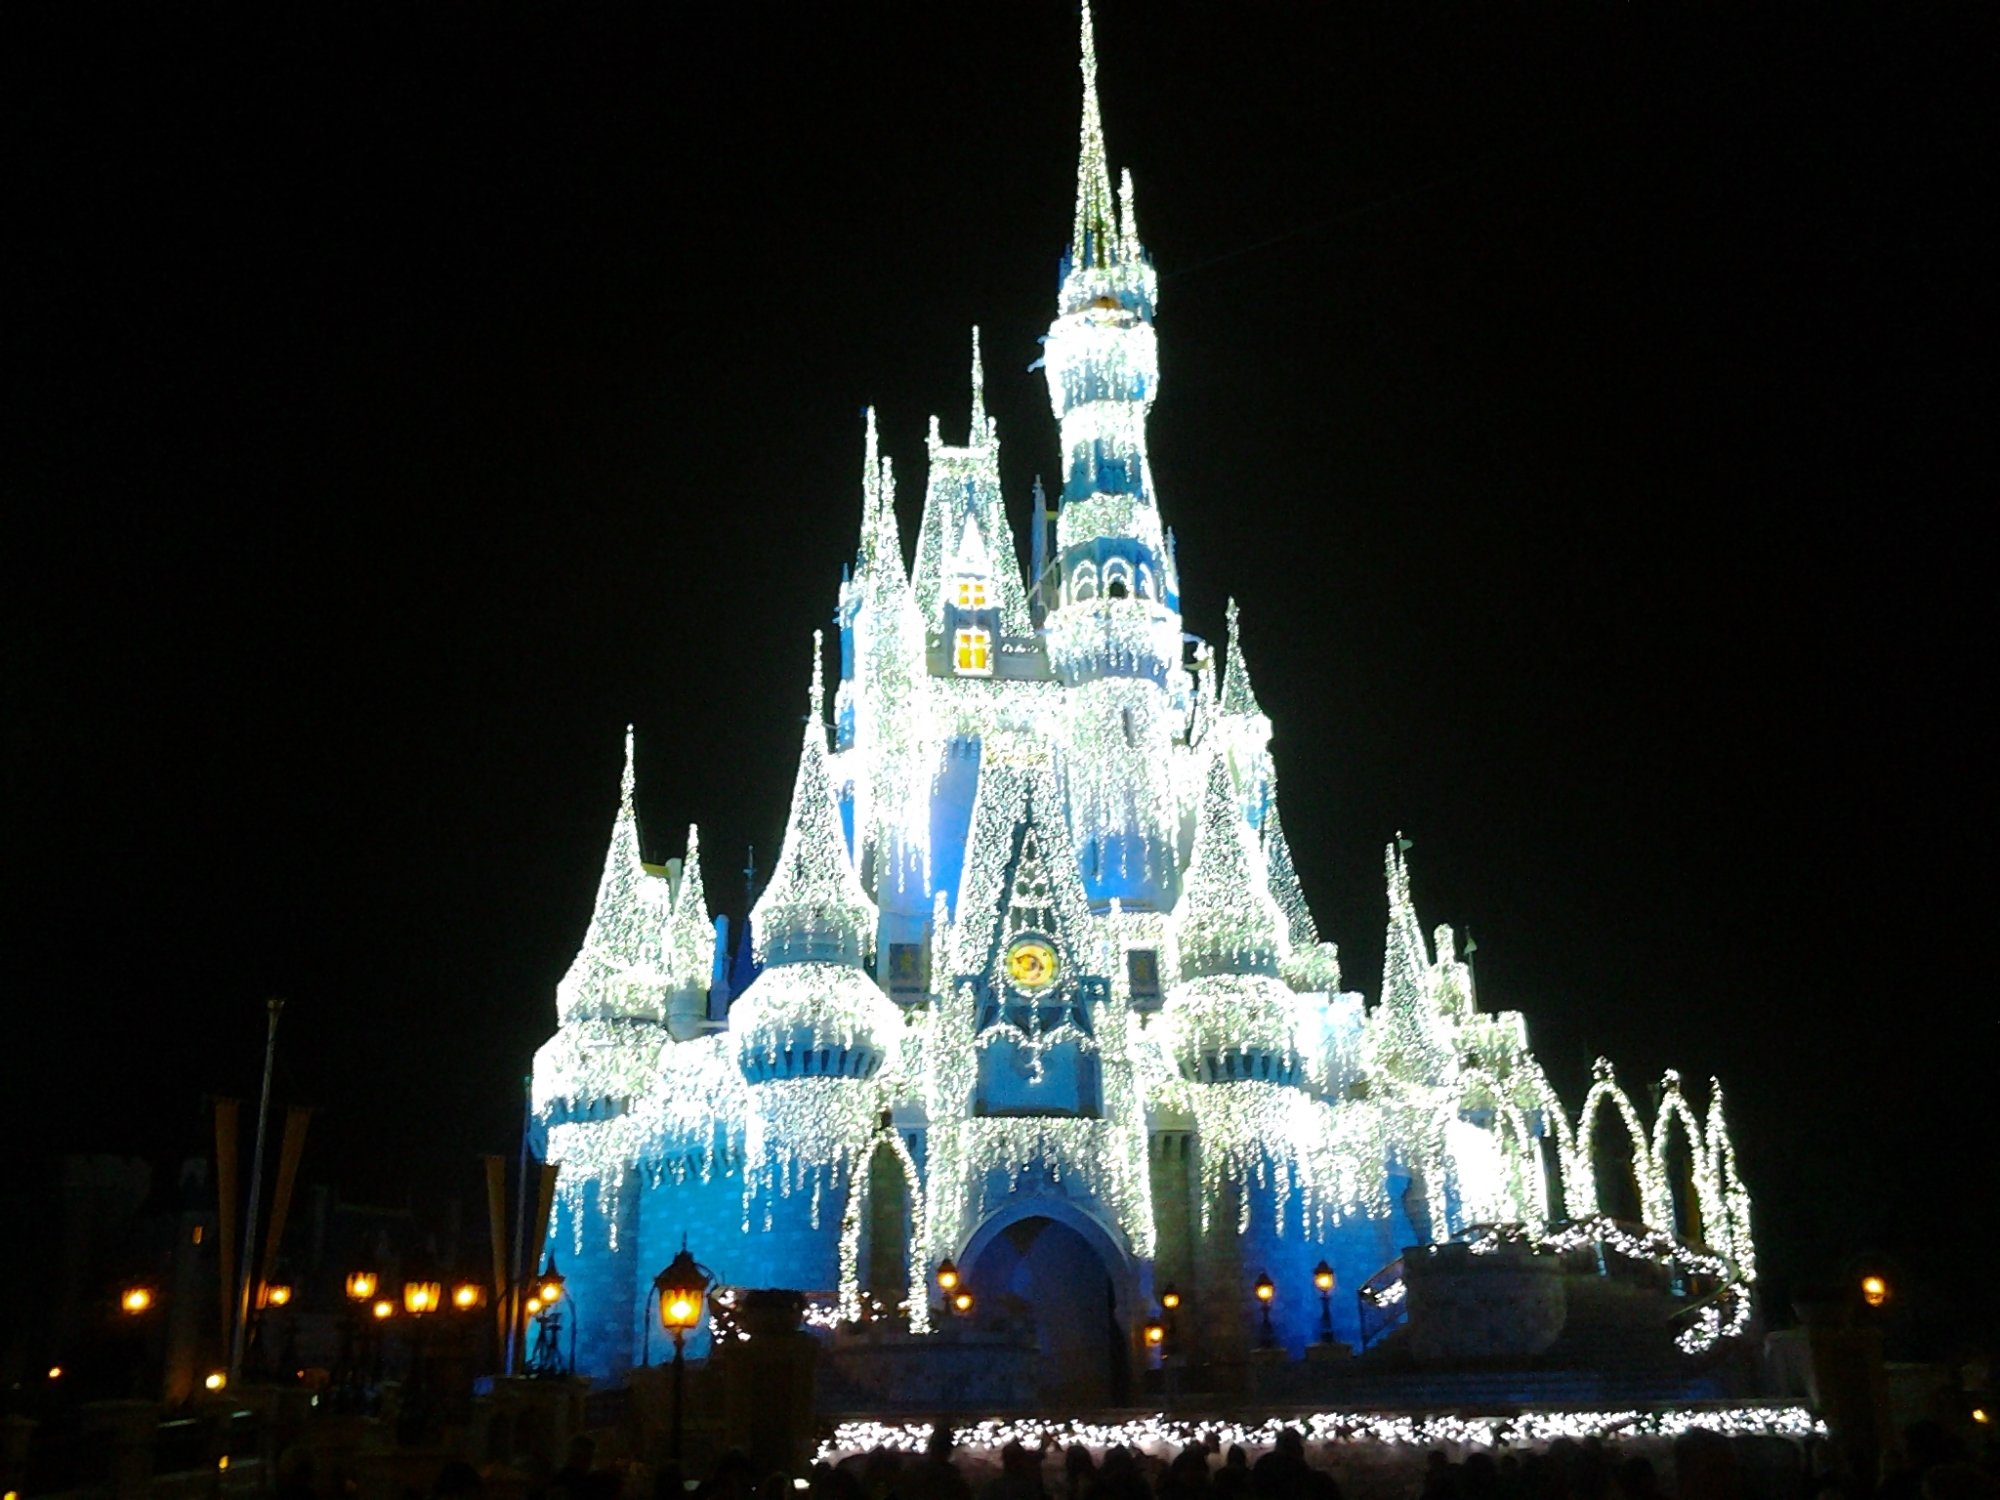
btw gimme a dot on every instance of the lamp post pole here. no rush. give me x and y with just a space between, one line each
681 1290
680 1390
1266 1289
1323 1283
240 1332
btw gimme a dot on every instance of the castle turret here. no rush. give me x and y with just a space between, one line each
813 1011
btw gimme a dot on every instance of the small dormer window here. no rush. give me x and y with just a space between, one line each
974 653
972 593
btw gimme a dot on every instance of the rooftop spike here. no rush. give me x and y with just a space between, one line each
976 430
818 682
1128 219
1091 240
1237 695
871 488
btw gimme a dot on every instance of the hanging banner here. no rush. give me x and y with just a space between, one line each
297 1117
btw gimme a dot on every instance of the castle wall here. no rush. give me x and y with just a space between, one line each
598 1293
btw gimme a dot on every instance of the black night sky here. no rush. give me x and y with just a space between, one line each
1587 405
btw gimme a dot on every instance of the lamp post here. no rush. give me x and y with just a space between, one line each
682 1289
1266 1289
360 1290
421 1298
1323 1284
947 1280
545 1307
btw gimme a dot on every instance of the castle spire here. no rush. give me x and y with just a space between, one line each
814 909
617 969
1092 242
1415 1037
1227 920
1237 695
689 946
871 487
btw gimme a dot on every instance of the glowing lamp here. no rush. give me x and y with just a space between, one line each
962 1301
1156 1334
215 1380
1170 1297
422 1297
947 1276
273 1294
1322 1277
383 1308
135 1299
360 1286
1874 1290
550 1288
468 1296
55 1372
682 1287
1266 1289
1981 1415
533 1305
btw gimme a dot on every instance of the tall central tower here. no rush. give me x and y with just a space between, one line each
1114 637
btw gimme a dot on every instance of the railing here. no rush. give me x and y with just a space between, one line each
1383 1302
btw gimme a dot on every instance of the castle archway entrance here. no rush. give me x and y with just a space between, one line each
1057 1278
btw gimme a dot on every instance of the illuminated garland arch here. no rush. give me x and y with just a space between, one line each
917 1305
1580 1187
1708 1199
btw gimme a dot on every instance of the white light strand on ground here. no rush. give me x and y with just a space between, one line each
1163 1436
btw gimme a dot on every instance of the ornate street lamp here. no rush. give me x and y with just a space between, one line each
961 1302
360 1286
543 1307
683 1290
1266 1289
1323 1280
1874 1290
135 1300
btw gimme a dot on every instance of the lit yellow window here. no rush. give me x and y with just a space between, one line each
972 593
974 651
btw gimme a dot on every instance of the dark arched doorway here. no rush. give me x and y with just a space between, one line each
1048 1276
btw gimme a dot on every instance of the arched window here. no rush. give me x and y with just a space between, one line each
1117 578
1145 582
1083 582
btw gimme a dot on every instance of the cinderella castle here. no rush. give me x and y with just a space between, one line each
1033 986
